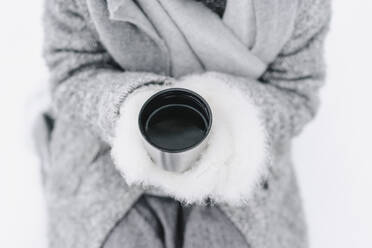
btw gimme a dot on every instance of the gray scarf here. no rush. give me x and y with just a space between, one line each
194 37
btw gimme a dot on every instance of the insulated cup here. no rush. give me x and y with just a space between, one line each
175 124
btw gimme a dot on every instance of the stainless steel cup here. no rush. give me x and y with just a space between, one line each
175 125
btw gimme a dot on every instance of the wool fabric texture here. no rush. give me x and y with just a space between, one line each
92 74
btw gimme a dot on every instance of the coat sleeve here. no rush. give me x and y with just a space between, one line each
251 118
288 93
87 85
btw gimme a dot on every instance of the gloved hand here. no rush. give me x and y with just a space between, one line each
231 165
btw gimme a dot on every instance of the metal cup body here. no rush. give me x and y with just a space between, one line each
175 161
182 158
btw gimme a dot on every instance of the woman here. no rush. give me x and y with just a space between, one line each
262 58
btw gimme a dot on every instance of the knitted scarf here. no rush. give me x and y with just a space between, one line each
194 37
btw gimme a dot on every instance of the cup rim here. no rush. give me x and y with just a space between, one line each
182 90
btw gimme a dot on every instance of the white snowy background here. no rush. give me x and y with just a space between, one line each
333 155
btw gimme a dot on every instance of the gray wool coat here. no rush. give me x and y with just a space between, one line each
93 73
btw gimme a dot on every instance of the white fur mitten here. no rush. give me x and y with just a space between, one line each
231 165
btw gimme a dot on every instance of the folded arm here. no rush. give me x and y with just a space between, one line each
87 85
288 93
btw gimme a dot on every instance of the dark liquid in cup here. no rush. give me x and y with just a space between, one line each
175 120
176 127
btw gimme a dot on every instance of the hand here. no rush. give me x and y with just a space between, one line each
231 165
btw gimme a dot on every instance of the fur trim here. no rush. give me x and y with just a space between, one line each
232 163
